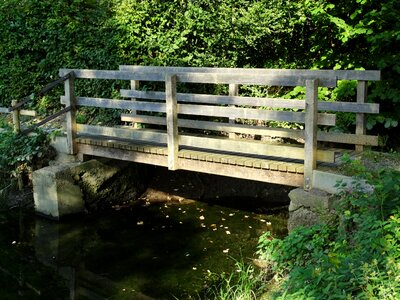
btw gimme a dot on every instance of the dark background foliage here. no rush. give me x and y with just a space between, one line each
39 37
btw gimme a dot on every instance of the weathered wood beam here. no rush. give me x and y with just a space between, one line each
151 136
310 132
372 75
70 101
361 124
172 121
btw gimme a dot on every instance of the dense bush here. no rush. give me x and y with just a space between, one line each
39 37
21 154
355 255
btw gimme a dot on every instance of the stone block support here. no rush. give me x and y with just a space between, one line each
55 193
308 207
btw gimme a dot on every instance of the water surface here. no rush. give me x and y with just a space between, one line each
158 251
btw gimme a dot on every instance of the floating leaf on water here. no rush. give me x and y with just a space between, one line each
231 214
246 216
202 225
223 219
167 216
227 232
262 220
250 227
225 251
194 268
201 218
268 223
140 223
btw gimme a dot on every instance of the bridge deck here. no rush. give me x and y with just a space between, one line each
260 168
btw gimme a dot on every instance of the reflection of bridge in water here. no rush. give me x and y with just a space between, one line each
229 134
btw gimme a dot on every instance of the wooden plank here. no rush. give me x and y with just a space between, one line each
134 156
291 179
218 126
251 147
362 87
233 91
240 78
120 104
28 113
371 108
143 119
223 77
322 136
15 118
310 132
135 86
368 108
172 121
71 126
143 94
347 138
151 136
242 113
113 75
219 99
249 113
372 75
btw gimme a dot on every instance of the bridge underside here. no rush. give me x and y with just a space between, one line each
264 169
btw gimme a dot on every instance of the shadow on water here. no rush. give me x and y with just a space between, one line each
150 251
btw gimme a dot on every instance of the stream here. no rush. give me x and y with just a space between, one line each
152 251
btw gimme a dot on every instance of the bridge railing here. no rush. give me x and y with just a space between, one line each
180 116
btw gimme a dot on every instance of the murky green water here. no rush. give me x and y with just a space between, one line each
158 251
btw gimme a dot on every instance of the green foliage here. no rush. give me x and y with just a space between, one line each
39 37
241 284
355 256
20 153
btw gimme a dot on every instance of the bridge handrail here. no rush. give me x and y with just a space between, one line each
173 103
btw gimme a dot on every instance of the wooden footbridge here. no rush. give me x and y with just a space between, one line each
215 133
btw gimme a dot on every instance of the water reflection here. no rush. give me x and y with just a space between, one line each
147 252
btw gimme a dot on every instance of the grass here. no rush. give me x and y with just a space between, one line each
244 283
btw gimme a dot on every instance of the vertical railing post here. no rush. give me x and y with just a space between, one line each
134 86
233 91
310 132
17 129
15 117
362 87
71 115
172 121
